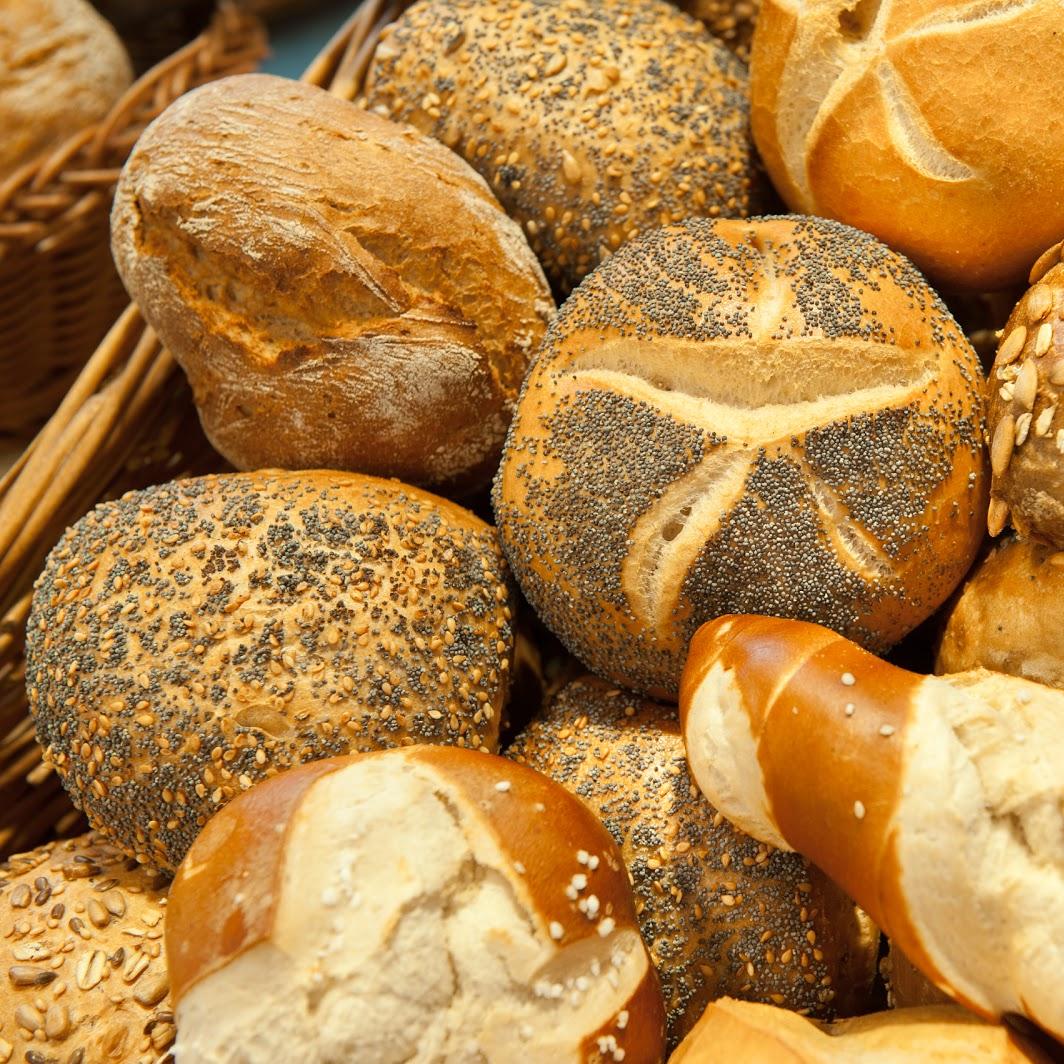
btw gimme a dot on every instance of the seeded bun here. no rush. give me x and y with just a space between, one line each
590 123
1026 430
730 21
775 416
1006 616
62 67
924 123
190 639
82 957
343 292
720 912
409 905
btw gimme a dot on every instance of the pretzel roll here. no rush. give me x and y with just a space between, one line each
1006 616
190 639
720 912
775 416
937 803
411 906
760 1034
913 121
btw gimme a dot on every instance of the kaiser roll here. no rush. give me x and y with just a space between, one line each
342 292
720 912
1005 617
62 67
1026 433
192 638
82 957
932 125
775 416
591 121
409 906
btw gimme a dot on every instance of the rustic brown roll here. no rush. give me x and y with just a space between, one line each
410 905
81 958
720 912
590 123
62 67
907 986
775 416
1006 616
1026 431
192 638
342 292
913 121
730 21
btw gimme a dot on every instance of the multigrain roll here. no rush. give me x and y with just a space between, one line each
343 292
591 121
192 638
775 416
82 958
413 906
1006 616
720 912
62 67
730 21
1024 391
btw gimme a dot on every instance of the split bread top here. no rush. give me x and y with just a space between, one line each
937 802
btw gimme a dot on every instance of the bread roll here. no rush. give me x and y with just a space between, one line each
760 1034
907 986
730 21
937 803
62 67
1006 617
720 912
775 416
192 638
913 121
1026 433
591 121
409 906
342 292
82 961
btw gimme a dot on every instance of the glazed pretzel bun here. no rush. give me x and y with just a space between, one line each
937 803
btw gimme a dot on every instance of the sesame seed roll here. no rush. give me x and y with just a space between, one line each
730 21
192 638
591 121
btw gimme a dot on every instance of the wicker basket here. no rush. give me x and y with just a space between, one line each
59 292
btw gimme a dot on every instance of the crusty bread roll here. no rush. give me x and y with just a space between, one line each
1026 432
81 957
192 638
62 67
775 416
417 906
730 21
343 292
759 1034
913 121
720 912
937 803
907 986
590 123
1005 617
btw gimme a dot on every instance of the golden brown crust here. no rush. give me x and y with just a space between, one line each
81 956
775 416
590 124
195 637
342 291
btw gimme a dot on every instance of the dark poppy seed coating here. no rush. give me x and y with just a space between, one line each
191 639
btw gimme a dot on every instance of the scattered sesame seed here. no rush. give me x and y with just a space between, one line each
503 786
886 730
848 679
859 810
557 932
850 708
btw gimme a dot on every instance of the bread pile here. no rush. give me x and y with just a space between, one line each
745 455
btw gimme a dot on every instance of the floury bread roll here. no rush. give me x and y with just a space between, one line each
913 121
937 803
343 292
720 912
420 906
775 416
591 121
190 639
81 957
759 1034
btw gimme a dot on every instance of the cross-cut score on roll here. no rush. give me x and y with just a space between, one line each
936 802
